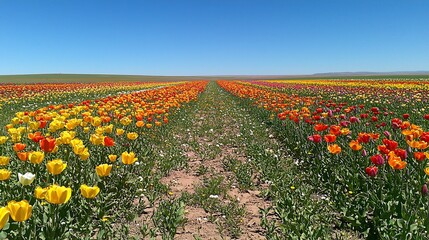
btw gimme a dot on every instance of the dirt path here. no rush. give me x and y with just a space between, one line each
215 147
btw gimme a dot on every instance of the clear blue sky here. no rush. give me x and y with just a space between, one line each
212 37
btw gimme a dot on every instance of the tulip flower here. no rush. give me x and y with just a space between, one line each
23 156
36 157
371 171
377 159
112 157
3 139
140 124
334 149
119 131
89 192
419 156
125 121
4 160
96 121
19 211
330 138
364 138
40 193
47 144
18 147
4 174
401 153
26 179
108 142
67 136
84 155
103 170
96 139
132 135
36 137
355 146
396 162
58 194
56 166
4 216
316 138
128 158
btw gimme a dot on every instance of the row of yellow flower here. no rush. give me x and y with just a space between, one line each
58 136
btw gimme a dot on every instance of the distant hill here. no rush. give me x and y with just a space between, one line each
59 77
372 73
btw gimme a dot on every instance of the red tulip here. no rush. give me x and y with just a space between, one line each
401 153
316 138
390 144
47 144
108 142
371 171
377 159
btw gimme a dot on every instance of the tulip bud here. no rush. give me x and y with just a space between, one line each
424 190
387 134
364 153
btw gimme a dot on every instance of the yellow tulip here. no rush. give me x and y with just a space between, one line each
112 157
40 193
3 139
128 158
96 121
108 129
36 157
26 119
89 192
19 211
96 139
58 194
84 155
67 136
125 121
4 216
4 160
15 121
119 131
132 135
4 174
103 170
56 166
34 125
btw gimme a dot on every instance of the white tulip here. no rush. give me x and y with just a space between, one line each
26 179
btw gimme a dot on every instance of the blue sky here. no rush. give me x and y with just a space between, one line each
213 37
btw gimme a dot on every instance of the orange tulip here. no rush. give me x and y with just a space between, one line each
355 146
396 162
140 124
23 156
19 147
320 127
334 149
330 138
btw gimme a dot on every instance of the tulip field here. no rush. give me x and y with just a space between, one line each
268 159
